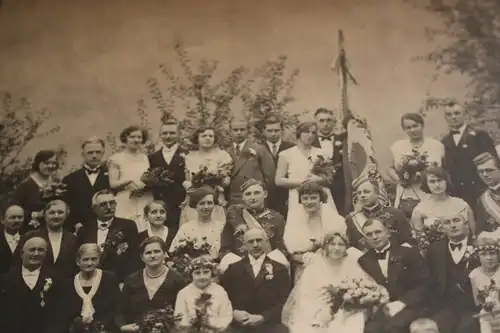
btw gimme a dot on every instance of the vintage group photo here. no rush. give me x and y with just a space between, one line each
261 167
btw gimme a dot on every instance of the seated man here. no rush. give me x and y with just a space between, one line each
252 214
257 287
424 325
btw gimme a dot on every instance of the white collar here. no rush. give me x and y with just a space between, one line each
241 144
270 144
27 272
164 233
258 261
463 242
171 149
461 130
8 236
386 248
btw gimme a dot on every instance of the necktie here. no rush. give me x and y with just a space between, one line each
103 226
455 246
237 150
92 171
454 132
275 149
325 138
382 255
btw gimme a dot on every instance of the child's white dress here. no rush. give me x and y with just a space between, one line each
479 280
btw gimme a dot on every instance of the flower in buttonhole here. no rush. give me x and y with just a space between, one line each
252 152
269 271
472 132
47 284
338 144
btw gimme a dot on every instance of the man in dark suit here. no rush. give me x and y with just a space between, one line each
61 244
251 160
83 183
9 236
257 287
462 144
29 293
171 158
402 271
117 237
272 130
332 142
450 263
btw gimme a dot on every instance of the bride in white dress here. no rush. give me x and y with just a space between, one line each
125 171
308 308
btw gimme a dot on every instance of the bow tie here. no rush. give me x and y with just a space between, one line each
326 138
92 171
103 225
454 132
455 246
381 255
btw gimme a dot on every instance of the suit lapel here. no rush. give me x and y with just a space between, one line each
50 251
84 179
64 245
371 266
395 265
448 141
465 136
241 160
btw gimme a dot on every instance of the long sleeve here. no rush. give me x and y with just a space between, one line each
223 315
417 295
181 308
181 233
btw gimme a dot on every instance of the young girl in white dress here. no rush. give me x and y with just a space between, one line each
125 171
488 249
219 311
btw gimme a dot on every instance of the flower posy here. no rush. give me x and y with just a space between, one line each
46 287
488 297
412 166
269 271
323 167
358 294
159 321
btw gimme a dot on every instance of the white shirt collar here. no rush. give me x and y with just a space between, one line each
461 130
241 145
270 144
171 149
463 242
386 248
257 261
27 272
108 222
10 237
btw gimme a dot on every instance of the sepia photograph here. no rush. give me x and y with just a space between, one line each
266 166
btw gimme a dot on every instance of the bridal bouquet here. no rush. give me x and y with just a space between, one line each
488 297
185 251
357 294
427 235
159 321
157 177
202 303
216 180
79 326
412 167
323 167
52 191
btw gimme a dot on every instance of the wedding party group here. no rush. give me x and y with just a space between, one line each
258 236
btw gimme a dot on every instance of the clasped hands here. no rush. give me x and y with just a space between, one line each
313 179
246 319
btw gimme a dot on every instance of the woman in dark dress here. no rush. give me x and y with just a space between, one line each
155 214
152 288
27 194
91 296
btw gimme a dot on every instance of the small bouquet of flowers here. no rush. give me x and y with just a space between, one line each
412 167
357 294
159 321
53 190
216 180
427 235
202 303
79 326
488 297
187 250
323 167
115 242
157 177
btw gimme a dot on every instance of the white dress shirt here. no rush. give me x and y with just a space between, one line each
30 278
256 264
457 137
272 145
240 145
102 231
384 263
168 153
327 145
457 254
55 239
91 176
12 240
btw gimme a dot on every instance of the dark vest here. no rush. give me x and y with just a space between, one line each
455 274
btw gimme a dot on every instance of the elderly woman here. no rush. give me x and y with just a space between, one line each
61 244
408 192
151 288
308 308
92 295
439 204
305 229
367 194
205 228
28 194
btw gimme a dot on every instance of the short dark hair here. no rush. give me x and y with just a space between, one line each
171 122
130 129
162 203
270 120
43 156
153 240
440 173
303 127
323 110
312 188
198 131
416 117
198 194
371 221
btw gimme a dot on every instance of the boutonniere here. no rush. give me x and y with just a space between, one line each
472 132
394 260
121 248
469 253
269 271
338 144
182 155
491 221
251 153
465 145
46 287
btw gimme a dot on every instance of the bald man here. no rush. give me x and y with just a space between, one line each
12 221
29 300
257 287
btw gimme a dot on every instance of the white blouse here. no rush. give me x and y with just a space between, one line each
212 231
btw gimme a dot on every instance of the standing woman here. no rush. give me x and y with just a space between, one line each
408 192
28 195
151 288
125 171
155 215
92 295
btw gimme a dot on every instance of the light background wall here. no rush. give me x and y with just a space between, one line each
88 61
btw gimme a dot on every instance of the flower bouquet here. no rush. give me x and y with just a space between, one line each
157 177
202 303
412 167
79 326
187 250
427 235
52 191
159 321
489 301
357 294
115 242
323 167
216 180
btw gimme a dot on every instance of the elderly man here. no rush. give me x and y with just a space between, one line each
117 237
30 293
257 287
488 205
9 236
